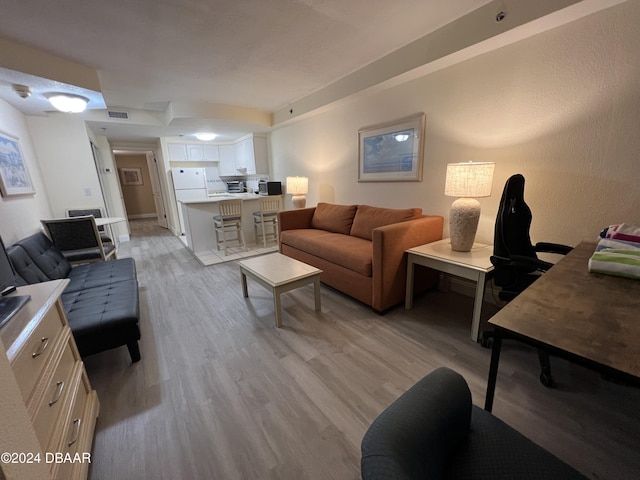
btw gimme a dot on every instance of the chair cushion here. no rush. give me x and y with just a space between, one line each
89 253
333 218
368 218
493 451
258 215
218 219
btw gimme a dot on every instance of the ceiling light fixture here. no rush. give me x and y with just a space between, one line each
205 136
68 102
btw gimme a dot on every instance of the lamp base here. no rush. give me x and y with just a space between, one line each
299 201
463 223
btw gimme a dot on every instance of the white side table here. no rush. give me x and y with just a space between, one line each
474 265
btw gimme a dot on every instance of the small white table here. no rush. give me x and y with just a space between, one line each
279 274
473 265
102 221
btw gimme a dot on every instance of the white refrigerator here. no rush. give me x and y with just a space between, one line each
188 184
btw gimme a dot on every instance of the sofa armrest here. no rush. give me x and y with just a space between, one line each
390 260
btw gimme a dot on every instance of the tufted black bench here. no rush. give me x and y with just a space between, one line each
101 300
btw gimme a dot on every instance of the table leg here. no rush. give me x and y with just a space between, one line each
245 291
493 370
316 291
477 307
408 299
277 307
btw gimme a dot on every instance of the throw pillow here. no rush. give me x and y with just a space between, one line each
367 218
333 218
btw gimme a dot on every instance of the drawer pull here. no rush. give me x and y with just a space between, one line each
43 346
57 394
76 426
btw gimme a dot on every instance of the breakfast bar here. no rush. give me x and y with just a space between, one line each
198 219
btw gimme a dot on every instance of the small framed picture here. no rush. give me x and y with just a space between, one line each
130 176
392 152
14 176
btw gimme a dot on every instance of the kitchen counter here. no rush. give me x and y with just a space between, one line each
198 219
218 197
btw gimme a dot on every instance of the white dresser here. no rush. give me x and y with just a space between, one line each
48 409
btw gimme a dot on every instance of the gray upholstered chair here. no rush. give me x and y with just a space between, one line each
434 432
97 213
78 239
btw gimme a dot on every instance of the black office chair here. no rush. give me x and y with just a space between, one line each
515 260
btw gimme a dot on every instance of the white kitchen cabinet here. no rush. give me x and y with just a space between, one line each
179 152
227 167
249 157
211 153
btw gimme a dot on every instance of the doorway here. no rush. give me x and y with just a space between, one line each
140 185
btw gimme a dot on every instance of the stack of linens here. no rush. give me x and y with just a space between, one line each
617 252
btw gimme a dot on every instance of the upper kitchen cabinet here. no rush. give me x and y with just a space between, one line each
227 166
193 152
177 152
245 157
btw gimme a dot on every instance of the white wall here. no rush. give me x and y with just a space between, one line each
20 216
64 152
562 108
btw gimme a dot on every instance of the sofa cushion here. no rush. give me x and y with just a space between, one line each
99 274
24 266
46 256
333 218
368 218
350 252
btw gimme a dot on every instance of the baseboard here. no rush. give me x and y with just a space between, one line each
142 215
468 287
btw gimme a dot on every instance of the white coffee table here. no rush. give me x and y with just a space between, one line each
280 274
473 265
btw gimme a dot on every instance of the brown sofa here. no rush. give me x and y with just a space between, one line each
359 248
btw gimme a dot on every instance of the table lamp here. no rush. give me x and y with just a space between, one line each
298 187
466 181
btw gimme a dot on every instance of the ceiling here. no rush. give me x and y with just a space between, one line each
222 65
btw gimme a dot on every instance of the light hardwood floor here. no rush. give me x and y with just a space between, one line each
220 393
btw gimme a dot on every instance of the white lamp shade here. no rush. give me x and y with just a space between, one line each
297 185
469 180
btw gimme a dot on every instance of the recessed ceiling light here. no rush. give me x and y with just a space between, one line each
68 102
205 136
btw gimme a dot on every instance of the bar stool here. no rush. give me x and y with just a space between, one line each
267 216
229 221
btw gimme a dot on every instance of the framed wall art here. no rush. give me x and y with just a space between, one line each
392 152
14 176
130 176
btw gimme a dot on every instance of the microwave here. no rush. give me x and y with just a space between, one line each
270 188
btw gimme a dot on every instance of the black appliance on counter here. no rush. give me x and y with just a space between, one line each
269 188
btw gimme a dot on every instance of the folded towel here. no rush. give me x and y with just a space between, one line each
624 231
621 263
606 243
